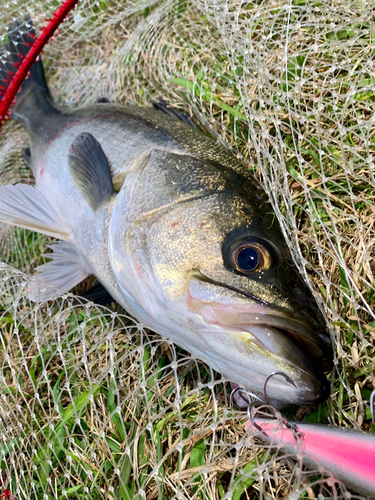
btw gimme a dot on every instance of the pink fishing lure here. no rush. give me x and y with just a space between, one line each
348 454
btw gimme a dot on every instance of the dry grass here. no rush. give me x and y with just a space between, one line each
99 408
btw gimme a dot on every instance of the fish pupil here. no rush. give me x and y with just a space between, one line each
247 259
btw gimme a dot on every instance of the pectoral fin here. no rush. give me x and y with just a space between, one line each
28 207
61 274
90 170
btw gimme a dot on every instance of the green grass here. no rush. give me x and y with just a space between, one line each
63 440
318 165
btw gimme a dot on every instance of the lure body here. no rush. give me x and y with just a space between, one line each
348 454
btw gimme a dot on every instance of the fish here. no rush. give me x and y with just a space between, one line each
175 228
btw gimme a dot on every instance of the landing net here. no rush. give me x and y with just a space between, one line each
93 406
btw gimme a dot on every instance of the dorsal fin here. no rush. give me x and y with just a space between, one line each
90 170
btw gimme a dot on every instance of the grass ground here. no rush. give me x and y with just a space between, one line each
110 410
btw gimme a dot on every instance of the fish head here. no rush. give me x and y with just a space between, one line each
251 289
210 268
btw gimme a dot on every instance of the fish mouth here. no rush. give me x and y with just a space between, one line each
291 344
313 387
252 319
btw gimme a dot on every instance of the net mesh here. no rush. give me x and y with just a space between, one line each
92 405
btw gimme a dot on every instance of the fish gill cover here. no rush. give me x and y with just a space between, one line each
92 405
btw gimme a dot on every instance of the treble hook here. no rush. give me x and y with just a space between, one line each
243 392
287 378
249 395
297 434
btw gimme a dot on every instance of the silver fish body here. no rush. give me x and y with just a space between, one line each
177 231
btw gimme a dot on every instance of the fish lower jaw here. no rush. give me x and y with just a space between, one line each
288 357
244 361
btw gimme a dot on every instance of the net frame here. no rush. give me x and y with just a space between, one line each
16 79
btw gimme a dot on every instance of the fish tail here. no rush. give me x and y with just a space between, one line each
34 94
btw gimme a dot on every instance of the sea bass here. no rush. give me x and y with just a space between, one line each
176 230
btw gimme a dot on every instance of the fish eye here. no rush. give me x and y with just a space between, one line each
250 256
